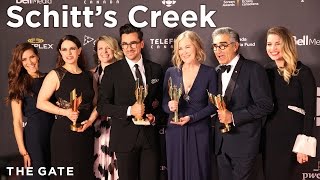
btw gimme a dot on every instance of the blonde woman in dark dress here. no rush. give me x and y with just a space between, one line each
294 95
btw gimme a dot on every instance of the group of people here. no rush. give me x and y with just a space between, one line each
265 108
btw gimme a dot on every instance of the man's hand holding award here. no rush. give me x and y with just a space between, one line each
141 93
221 105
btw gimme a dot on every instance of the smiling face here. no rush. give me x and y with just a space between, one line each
187 51
226 55
274 47
30 61
132 46
104 52
69 52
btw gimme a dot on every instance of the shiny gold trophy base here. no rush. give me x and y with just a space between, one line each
175 94
221 105
75 103
140 93
75 127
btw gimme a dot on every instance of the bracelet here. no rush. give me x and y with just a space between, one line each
25 154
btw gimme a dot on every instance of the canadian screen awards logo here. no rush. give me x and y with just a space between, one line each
87 39
168 3
234 3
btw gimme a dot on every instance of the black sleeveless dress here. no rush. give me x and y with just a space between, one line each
37 131
68 148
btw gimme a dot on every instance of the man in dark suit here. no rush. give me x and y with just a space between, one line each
135 146
246 90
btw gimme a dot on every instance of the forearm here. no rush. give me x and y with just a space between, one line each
49 107
18 133
93 115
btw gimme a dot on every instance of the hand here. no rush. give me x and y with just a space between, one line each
85 125
183 120
72 115
26 160
173 105
151 118
225 116
302 158
137 110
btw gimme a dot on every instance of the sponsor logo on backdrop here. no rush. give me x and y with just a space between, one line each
33 1
39 43
312 175
233 3
245 42
168 3
318 114
101 2
306 40
161 43
87 40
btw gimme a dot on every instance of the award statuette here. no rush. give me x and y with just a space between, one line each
140 93
75 103
175 94
221 105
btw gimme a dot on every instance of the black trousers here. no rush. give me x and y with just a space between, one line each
235 168
142 163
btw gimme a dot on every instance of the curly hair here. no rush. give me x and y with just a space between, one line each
196 41
81 61
289 51
18 78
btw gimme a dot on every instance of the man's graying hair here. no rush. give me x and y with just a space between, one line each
227 30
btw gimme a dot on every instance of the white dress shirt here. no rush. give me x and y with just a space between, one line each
226 76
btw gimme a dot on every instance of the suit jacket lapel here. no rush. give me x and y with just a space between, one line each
148 72
233 80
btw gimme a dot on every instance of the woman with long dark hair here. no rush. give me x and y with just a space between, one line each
25 81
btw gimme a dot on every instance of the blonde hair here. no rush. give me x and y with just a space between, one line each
196 41
112 43
289 51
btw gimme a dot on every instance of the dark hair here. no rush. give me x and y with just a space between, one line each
129 28
18 78
81 61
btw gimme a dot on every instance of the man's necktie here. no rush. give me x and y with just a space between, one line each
224 68
138 75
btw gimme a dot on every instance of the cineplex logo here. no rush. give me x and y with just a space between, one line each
39 43
305 40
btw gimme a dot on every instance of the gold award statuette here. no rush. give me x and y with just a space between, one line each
221 105
75 103
175 94
140 93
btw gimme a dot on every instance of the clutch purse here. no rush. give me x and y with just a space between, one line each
306 145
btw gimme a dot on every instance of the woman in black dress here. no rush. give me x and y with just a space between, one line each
24 84
294 95
70 148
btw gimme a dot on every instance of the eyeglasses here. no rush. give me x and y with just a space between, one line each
221 46
132 44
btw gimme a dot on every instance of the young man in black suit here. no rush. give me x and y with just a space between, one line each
246 90
135 146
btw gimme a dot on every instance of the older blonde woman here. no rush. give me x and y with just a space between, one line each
188 141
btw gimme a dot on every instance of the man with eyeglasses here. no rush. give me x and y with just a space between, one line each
245 87
135 146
